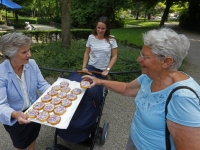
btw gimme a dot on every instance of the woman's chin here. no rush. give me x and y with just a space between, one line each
143 71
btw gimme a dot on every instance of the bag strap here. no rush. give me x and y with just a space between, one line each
167 140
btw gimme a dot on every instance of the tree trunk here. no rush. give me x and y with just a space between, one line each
166 12
149 16
65 23
16 16
137 15
193 10
145 15
57 13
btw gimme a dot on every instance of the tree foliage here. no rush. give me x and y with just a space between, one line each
190 18
85 13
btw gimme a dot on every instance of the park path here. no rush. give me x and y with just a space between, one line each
193 57
192 66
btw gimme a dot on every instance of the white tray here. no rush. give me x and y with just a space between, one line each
65 118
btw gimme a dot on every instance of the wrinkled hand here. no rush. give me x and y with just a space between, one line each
93 80
21 117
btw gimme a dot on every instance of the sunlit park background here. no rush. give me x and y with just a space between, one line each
129 20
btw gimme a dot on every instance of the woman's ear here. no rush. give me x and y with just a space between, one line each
167 62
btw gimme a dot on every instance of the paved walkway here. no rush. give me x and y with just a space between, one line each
37 26
43 27
192 59
118 111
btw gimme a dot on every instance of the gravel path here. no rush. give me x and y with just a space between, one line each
118 111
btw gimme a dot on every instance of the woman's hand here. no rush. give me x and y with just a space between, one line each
85 69
20 116
93 80
105 73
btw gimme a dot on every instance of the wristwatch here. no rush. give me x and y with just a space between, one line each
108 69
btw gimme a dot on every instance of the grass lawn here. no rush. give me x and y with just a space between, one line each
133 34
133 30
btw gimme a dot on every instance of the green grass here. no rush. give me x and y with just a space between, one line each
133 34
142 23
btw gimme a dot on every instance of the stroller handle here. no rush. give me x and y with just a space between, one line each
90 72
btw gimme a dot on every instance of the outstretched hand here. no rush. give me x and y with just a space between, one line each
93 80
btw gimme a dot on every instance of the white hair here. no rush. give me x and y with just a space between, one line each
11 42
166 42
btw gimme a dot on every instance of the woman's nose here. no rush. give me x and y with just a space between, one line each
29 54
139 59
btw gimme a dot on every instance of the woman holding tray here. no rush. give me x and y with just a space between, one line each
20 78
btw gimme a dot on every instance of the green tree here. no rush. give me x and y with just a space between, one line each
190 18
16 11
147 6
169 3
85 13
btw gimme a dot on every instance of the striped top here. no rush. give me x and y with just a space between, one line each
100 51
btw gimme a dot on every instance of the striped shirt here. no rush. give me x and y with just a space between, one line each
100 51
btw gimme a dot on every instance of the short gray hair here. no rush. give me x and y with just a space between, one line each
166 42
11 42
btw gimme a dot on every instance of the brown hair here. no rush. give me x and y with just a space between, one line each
106 21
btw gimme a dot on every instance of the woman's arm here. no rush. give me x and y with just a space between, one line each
85 59
128 89
112 61
184 137
113 57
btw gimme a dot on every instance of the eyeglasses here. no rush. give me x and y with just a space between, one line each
144 57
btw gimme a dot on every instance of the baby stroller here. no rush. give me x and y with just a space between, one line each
84 126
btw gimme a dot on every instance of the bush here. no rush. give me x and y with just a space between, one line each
117 23
45 21
2 22
46 36
80 33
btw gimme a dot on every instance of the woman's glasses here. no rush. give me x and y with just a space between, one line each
144 57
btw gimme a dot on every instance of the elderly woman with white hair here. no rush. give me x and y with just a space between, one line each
161 56
20 78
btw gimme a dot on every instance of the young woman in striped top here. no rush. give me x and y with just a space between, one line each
101 48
